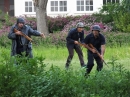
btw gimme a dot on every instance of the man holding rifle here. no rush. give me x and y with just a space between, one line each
74 36
20 34
95 43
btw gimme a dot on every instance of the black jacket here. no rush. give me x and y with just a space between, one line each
96 42
74 35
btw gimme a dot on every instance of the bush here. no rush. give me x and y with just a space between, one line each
117 39
31 79
113 39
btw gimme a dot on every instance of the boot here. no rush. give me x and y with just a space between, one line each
83 65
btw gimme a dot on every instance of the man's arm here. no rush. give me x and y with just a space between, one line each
11 34
34 32
68 38
82 37
102 50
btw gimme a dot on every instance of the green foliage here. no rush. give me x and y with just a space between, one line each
86 28
31 79
4 41
117 39
122 21
125 6
1 18
15 79
53 39
105 18
113 39
119 14
108 11
5 19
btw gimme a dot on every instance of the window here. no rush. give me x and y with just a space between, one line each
110 1
58 6
29 7
84 5
54 6
63 5
80 5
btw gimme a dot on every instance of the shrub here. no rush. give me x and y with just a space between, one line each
117 39
31 79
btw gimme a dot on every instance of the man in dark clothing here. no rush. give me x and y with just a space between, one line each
21 44
98 41
74 36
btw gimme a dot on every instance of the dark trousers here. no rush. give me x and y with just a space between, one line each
90 63
71 54
20 54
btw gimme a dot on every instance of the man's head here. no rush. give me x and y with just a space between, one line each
96 30
80 26
20 22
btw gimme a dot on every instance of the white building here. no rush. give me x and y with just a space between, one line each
54 7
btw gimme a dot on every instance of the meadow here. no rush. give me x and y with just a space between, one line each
58 56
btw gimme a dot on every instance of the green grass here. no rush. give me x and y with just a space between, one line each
57 56
121 54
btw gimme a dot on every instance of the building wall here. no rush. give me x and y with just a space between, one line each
71 8
20 8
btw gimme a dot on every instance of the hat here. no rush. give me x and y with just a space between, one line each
96 27
80 25
20 20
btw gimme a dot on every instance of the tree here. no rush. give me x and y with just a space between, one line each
119 14
40 6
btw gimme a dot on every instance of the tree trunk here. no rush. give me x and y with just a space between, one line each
41 16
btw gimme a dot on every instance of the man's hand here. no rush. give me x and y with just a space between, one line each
42 35
18 33
102 57
93 50
76 42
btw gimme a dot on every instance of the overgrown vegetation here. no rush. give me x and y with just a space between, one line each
59 40
30 78
118 14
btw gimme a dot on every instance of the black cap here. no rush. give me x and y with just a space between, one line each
20 20
96 27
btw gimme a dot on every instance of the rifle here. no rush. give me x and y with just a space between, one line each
81 44
91 46
24 35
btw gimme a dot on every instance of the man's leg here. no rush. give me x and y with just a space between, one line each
80 55
29 54
99 63
90 63
71 54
